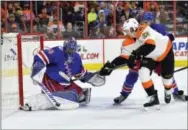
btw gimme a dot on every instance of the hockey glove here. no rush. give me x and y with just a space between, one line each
106 69
132 59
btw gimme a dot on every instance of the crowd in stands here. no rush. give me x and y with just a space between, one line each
61 20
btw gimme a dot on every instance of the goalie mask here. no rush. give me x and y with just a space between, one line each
70 47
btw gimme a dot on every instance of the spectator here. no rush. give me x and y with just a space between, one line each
78 5
29 15
150 5
44 16
10 8
22 24
102 19
53 28
119 12
17 5
102 22
68 12
135 11
92 16
110 16
40 26
103 7
122 19
50 6
3 15
163 16
18 14
96 33
112 33
3 29
69 32
79 15
119 31
36 24
127 15
14 28
11 21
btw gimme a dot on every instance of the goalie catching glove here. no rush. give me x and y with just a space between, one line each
93 78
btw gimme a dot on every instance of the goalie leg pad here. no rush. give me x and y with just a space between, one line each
37 102
54 86
41 102
74 87
84 99
69 95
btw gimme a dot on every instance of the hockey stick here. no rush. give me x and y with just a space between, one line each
117 67
180 69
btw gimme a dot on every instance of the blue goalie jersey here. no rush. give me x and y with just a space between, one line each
55 61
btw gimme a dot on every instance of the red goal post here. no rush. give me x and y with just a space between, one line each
20 38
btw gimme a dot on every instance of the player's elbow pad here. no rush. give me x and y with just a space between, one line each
145 49
171 37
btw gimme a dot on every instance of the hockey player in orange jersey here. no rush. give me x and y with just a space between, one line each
151 48
154 48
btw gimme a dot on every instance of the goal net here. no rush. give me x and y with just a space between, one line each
17 53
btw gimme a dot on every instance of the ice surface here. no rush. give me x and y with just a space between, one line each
101 113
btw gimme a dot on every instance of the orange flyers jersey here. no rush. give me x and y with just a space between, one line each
128 45
146 35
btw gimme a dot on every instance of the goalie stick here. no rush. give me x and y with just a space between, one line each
59 103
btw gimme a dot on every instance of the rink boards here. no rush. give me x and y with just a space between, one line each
94 53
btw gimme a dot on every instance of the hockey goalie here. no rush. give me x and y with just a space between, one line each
53 70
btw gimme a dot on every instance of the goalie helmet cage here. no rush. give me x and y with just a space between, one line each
20 61
16 58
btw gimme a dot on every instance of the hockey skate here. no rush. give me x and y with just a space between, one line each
153 101
167 96
84 99
119 99
180 96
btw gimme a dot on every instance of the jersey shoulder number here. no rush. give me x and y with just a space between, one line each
145 34
140 30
